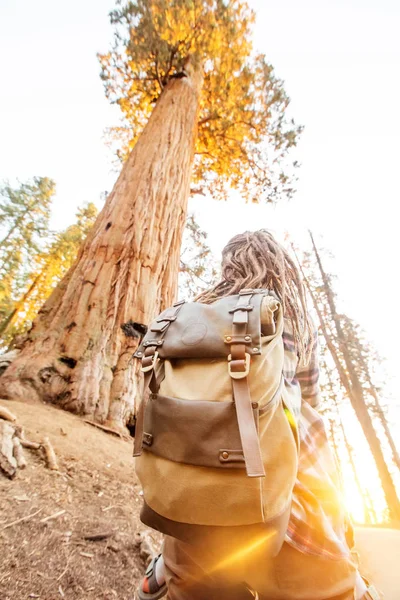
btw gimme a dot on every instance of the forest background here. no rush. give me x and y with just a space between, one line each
338 61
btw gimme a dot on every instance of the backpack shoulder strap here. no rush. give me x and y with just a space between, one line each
238 368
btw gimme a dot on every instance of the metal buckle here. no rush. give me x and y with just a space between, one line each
247 307
239 374
153 362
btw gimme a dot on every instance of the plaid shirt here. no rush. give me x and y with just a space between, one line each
318 522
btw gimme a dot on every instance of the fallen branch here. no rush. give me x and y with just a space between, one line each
50 455
19 453
97 537
69 559
7 414
28 444
104 428
12 442
7 461
21 520
57 514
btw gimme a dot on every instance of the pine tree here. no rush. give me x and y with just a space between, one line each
24 229
350 380
197 267
47 269
363 356
331 391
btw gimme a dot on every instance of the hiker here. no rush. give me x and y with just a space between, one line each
233 456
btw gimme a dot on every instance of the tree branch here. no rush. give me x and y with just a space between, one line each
212 117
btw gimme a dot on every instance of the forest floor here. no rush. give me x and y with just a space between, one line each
73 533
48 517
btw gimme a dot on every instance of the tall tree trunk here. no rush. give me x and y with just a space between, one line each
333 442
385 425
348 446
357 400
77 354
374 393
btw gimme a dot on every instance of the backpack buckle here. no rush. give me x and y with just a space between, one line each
239 374
145 368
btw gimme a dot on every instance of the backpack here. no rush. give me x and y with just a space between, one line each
216 445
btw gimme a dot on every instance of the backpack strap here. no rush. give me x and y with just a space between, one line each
149 360
239 367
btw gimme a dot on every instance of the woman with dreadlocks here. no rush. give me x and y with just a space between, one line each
314 562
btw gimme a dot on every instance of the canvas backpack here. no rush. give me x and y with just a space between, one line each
215 443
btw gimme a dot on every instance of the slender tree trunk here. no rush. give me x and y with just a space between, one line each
350 454
16 224
357 400
371 508
373 392
333 442
10 319
385 425
349 448
77 355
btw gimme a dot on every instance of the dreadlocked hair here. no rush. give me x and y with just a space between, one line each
255 260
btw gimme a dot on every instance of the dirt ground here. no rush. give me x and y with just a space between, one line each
46 517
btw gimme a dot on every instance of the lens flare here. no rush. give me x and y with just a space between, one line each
242 553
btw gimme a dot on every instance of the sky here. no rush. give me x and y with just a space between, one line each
340 63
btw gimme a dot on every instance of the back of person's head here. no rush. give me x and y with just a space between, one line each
256 260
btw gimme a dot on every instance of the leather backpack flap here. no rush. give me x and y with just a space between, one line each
201 330
198 432
208 378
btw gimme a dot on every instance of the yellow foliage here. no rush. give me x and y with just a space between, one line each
47 269
243 134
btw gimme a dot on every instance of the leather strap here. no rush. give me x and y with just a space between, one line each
139 428
247 428
151 384
238 370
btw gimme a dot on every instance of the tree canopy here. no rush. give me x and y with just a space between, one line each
243 132
198 267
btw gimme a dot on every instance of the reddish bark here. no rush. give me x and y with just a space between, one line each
76 355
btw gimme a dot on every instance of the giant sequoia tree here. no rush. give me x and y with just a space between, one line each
189 66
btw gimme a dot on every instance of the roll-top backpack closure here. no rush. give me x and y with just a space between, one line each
197 330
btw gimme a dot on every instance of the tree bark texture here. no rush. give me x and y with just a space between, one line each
355 391
77 355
